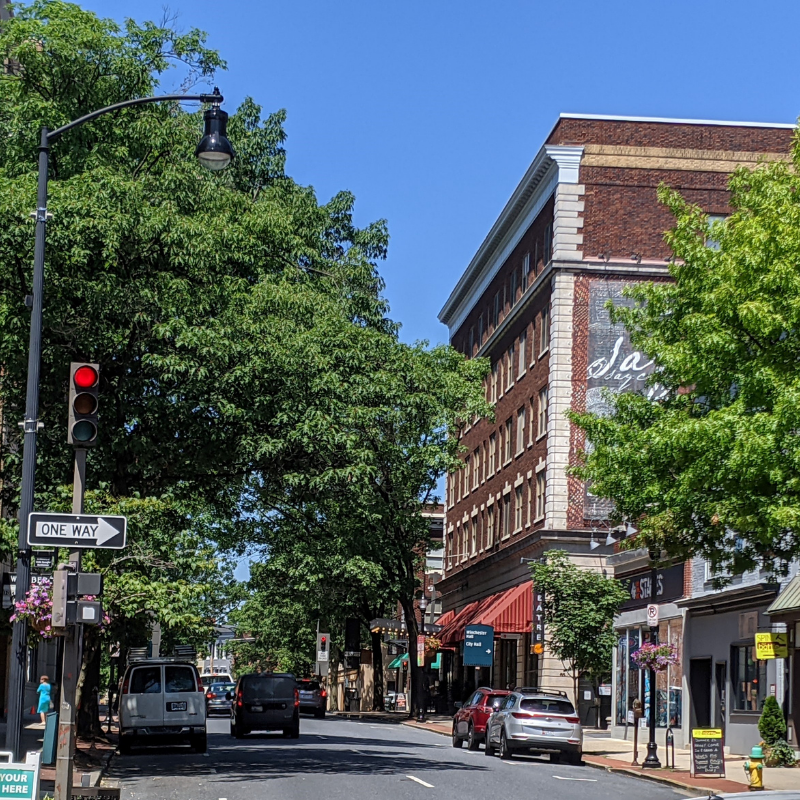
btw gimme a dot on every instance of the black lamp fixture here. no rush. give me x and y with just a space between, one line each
215 152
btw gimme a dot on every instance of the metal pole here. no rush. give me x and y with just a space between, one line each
30 426
72 660
652 762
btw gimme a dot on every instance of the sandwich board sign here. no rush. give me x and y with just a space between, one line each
19 780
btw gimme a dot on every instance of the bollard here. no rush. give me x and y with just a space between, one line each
755 769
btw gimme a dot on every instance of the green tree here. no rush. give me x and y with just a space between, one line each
712 468
772 724
579 610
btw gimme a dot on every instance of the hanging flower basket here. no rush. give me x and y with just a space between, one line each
656 656
37 610
432 643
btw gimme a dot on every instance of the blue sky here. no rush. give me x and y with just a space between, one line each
430 112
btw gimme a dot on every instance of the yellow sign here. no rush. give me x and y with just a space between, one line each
706 733
772 645
537 649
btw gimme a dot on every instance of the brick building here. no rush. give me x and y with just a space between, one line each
583 222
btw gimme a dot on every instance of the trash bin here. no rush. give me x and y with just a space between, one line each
50 738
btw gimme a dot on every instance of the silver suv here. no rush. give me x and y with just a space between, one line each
536 721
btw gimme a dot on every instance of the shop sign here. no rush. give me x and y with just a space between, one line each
19 780
772 645
537 629
669 586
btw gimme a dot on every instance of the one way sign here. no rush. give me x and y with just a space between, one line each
77 530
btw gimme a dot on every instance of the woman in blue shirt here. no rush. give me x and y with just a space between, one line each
44 696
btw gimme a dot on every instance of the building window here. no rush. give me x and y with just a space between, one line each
473 545
471 341
543 399
489 527
496 310
476 467
522 347
541 486
510 367
712 219
467 468
532 422
544 331
513 287
526 268
518 508
492 455
520 430
508 439
495 371
450 550
485 461
480 330
548 244
530 502
506 515
457 479
480 532
748 679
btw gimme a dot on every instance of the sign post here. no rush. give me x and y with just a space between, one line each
478 646
652 615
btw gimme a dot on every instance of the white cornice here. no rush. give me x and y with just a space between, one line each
568 158
678 121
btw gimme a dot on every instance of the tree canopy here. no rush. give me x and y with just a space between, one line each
712 468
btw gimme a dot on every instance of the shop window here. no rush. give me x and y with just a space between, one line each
749 679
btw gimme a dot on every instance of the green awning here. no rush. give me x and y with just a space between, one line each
788 601
398 662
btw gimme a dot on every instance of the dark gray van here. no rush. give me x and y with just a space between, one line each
266 701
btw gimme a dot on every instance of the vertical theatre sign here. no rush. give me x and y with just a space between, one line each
613 364
537 631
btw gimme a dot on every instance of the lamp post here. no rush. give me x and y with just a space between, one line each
651 761
423 700
214 152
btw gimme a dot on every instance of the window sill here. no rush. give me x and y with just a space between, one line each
527 524
506 463
545 351
519 453
516 531
541 436
521 375
538 519
505 537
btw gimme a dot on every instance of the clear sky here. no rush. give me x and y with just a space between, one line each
430 112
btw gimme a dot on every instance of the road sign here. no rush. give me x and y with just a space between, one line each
652 615
478 646
772 645
77 530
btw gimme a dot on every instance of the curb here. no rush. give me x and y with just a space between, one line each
695 791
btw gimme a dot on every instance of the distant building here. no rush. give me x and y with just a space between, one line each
218 660
583 223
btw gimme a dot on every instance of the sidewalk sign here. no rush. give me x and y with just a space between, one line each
19 780
708 755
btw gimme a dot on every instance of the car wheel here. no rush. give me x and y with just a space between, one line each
124 746
200 743
294 731
456 739
555 758
237 731
488 749
576 758
505 752
473 742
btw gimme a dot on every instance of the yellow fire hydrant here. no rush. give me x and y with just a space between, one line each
755 769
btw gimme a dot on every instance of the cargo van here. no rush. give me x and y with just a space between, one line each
162 701
266 701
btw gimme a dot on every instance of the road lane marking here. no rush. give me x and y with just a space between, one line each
420 781
585 780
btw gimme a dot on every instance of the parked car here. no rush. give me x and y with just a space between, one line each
266 701
469 722
219 698
162 701
218 677
535 721
313 698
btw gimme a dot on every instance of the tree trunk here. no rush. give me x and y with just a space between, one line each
417 694
377 671
87 694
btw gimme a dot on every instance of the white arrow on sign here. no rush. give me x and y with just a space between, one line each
105 532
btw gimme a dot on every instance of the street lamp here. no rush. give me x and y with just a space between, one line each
423 604
652 762
214 152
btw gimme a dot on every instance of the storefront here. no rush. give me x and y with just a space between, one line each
629 683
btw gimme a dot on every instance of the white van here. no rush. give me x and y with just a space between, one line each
162 701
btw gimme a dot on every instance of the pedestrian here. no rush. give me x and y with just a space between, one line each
44 696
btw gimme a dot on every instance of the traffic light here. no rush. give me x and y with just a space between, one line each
323 657
84 383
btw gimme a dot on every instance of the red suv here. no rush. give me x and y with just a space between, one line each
470 720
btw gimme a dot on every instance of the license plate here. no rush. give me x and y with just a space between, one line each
256 709
177 707
550 733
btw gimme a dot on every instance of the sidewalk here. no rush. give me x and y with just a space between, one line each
615 755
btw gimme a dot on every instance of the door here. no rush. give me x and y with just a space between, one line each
795 697
463 714
720 694
700 688
183 704
143 706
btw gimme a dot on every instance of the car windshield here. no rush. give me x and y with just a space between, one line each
309 686
546 705
268 687
494 698
222 687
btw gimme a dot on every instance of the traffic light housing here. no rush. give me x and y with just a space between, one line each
84 384
323 653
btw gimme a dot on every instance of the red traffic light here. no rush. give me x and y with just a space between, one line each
323 639
85 377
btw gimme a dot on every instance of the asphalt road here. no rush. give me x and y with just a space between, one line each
342 760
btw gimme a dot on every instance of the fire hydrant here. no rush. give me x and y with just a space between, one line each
755 769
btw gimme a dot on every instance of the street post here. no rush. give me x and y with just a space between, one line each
651 761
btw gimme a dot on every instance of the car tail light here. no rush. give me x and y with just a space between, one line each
296 698
522 715
210 696
323 693
239 699
200 687
126 684
573 720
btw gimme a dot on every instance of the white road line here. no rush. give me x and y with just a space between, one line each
318 735
584 780
420 781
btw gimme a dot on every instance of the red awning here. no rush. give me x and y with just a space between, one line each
507 612
445 619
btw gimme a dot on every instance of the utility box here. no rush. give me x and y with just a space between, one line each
50 738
